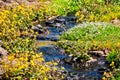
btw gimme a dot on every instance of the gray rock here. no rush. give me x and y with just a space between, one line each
116 22
39 29
60 19
101 70
97 53
3 52
49 23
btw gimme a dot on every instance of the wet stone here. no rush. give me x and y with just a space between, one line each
101 70
39 29
97 53
49 23
60 19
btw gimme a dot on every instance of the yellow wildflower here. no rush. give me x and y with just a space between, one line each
112 64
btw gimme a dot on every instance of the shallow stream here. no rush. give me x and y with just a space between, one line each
45 43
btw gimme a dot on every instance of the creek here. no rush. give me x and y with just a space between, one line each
46 41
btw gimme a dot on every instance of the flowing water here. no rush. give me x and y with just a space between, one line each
45 44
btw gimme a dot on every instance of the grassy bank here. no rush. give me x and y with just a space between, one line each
80 40
87 10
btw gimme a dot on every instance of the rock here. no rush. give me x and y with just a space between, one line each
35 28
55 21
69 60
91 62
116 22
39 26
30 0
101 70
60 19
8 1
49 23
39 29
97 53
106 51
2 4
47 2
58 25
3 52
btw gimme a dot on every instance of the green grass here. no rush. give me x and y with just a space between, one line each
90 33
62 7
79 40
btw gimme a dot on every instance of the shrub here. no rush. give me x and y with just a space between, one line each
76 49
114 57
63 7
29 66
15 25
98 11
18 39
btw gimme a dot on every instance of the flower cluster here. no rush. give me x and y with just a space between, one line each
15 22
98 12
27 66
18 39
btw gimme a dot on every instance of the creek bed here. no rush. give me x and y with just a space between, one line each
50 52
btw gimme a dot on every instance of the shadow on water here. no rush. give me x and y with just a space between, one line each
45 44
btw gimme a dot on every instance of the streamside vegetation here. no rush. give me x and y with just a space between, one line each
18 39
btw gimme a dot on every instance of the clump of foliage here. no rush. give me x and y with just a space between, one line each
15 22
76 49
92 32
63 7
98 10
18 39
114 57
94 37
87 10
29 66
80 40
